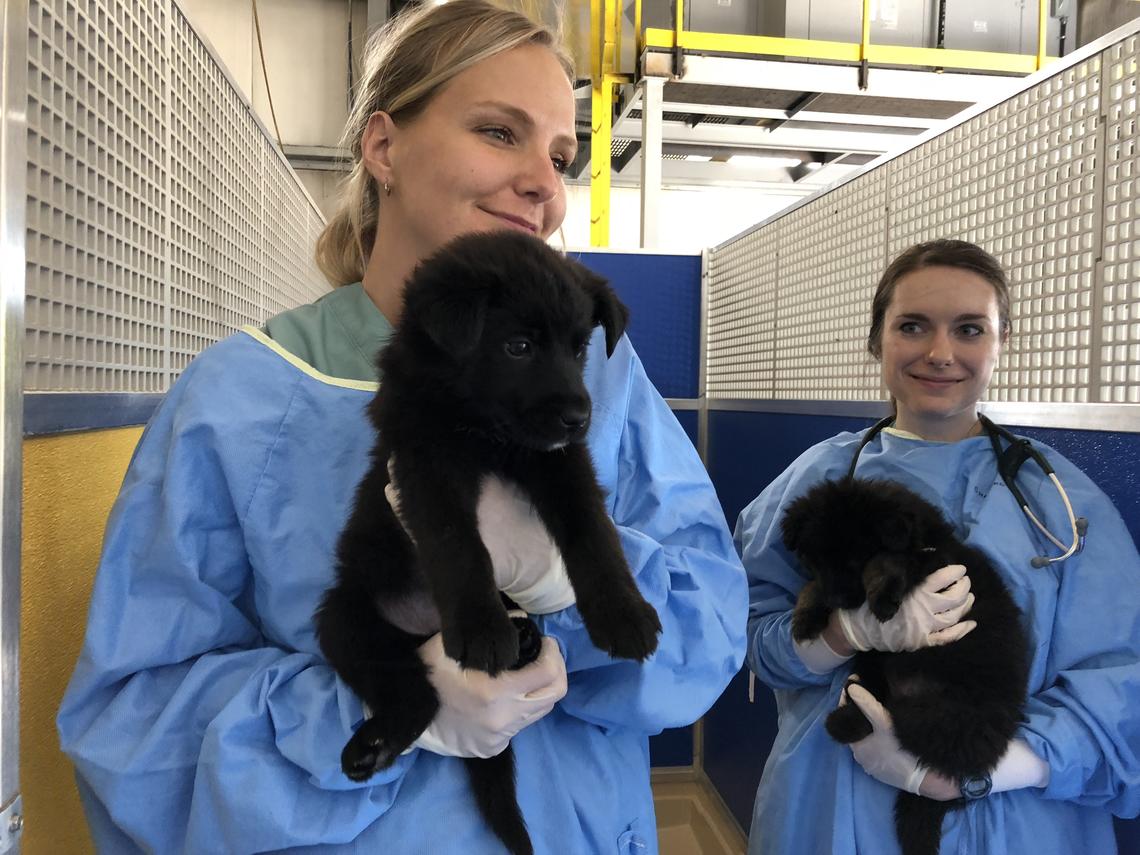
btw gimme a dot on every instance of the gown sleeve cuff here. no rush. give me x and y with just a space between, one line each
1019 768
817 655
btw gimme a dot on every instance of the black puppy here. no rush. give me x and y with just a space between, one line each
955 707
482 377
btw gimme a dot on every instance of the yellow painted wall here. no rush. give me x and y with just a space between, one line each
70 482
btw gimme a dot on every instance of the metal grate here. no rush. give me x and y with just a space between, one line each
742 317
1019 180
1040 180
788 313
1118 316
96 217
159 216
830 259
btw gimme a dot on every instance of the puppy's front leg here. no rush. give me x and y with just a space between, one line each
811 615
437 503
566 495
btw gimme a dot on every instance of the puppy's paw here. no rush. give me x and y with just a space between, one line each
885 607
847 724
809 622
626 626
530 641
369 751
884 580
482 640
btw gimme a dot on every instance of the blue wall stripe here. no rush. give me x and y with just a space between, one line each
61 412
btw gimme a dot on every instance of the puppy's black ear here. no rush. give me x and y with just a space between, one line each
900 528
452 314
793 527
609 311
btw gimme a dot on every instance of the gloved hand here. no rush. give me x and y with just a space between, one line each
883 758
528 566
928 616
478 714
880 754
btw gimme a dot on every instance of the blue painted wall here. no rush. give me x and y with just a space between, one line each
748 450
663 293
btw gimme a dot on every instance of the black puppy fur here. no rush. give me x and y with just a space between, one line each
482 377
956 707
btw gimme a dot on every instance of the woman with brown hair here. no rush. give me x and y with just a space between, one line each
939 320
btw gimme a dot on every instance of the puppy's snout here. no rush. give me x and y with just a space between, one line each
574 417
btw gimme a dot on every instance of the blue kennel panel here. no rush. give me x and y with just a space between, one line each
689 421
663 293
748 450
745 452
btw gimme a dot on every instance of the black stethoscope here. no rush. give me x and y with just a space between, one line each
1009 461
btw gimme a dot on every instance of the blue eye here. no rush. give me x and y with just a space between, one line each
909 327
971 330
499 133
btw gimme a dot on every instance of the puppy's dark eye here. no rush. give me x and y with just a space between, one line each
517 347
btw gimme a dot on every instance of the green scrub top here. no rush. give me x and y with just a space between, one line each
339 334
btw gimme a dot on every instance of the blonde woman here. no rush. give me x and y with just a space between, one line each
201 716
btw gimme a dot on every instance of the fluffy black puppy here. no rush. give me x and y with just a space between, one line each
955 707
483 377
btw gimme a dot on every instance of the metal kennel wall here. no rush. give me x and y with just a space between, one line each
1047 180
160 215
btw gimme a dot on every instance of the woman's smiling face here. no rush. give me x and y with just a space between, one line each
486 153
941 339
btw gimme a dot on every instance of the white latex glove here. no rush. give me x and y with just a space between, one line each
883 758
880 754
528 566
928 616
478 714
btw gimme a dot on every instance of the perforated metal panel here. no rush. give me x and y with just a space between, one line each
830 259
1118 378
160 218
742 317
1039 180
96 197
1020 181
788 304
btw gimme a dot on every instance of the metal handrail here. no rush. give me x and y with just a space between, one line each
863 51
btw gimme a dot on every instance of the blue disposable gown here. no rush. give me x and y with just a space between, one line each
202 718
1083 713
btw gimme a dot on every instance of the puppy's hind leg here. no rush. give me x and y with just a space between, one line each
380 664
846 723
493 783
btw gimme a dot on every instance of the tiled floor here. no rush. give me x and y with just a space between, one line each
691 820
